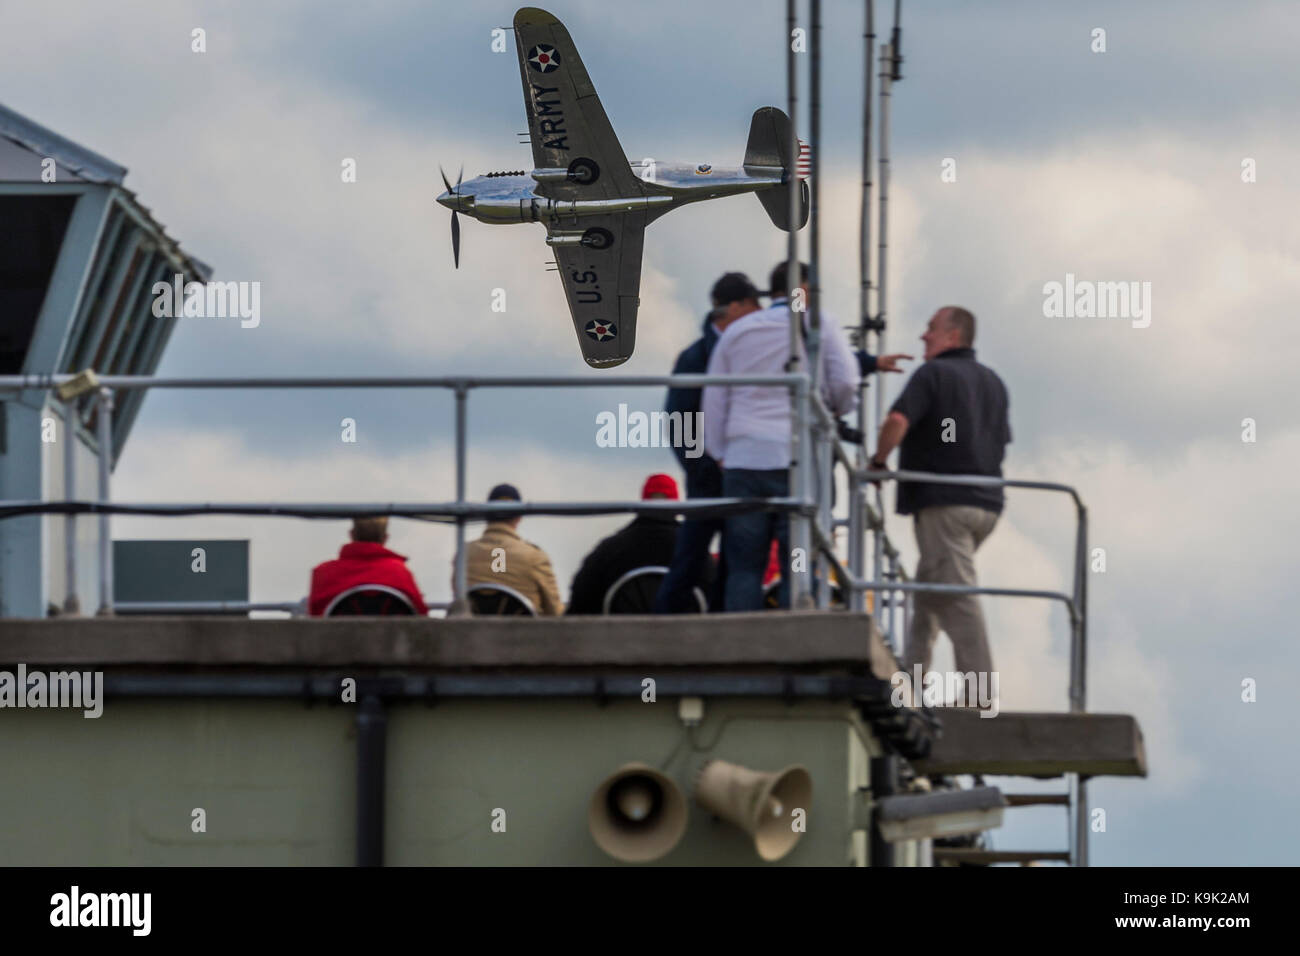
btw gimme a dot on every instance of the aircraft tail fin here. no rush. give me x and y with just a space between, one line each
768 147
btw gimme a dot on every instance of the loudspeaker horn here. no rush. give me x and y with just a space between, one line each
637 814
761 804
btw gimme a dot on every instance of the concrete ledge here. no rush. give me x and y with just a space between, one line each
1036 745
765 640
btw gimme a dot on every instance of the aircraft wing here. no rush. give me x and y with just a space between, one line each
566 123
602 286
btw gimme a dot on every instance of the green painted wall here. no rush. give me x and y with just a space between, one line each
277 779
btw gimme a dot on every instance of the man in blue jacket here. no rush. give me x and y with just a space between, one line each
733 296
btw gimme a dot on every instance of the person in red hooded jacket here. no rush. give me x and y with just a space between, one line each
363 560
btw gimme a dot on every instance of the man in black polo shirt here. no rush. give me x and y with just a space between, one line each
951 418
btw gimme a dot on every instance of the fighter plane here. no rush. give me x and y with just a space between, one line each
596 204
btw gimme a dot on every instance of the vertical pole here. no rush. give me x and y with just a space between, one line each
795 188
814 245
104 434
857 507
801 488
893 599
1078 679
372 732
458 600
864 245
907 620
71 604
869 427
823 436
1080 820
1079 618
887 598
884 782
800 452
825 492
882 284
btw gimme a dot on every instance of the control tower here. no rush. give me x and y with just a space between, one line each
79 255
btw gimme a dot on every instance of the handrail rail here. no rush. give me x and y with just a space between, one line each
1076 602
815 449
431 510
454 382
989 481
294 608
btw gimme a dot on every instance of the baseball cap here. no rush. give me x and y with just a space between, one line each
659 485
733 287
504 492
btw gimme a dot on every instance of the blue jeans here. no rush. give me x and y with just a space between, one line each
690 569
747 538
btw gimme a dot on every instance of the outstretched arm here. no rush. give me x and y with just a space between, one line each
891 434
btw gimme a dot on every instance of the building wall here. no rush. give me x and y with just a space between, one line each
277 779
32 548
22 584
86 488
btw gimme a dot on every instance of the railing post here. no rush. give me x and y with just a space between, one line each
907 618
825 514
1079 629
459 603
71 604
891 599
800 532
104 436
1079 677
857 542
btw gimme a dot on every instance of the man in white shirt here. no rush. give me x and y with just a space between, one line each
747 429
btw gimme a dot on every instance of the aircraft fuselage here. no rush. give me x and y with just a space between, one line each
506 199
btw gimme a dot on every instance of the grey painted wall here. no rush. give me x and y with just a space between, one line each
277 780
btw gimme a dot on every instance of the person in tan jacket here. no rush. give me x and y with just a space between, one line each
500 556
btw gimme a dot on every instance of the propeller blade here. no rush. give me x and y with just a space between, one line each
455 238
444 179
459 175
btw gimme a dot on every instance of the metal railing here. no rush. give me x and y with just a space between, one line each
459 511
812 506
809 505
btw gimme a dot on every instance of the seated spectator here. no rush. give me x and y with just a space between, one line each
500 556
647 540
364 560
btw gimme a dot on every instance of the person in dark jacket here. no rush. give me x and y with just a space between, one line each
951 418
647 540
733 296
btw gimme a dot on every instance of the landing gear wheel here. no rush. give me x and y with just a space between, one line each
597 238
583 171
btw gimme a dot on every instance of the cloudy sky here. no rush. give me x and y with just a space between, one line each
1117 166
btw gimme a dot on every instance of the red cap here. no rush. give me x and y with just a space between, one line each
664 485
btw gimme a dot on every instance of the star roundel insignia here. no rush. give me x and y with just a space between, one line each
600 331
543 58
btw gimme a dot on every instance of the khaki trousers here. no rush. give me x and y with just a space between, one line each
948 537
